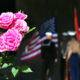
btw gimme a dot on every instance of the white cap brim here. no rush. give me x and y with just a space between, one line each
71 33
64 34
48 34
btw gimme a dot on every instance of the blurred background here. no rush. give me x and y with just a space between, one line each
38 11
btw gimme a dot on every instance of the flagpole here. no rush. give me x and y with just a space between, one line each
76 24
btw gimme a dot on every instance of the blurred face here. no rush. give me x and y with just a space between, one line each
71 37
48 37
64 37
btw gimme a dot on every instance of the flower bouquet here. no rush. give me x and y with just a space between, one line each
12 29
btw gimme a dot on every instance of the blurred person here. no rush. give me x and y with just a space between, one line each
73 56
63 46
49 56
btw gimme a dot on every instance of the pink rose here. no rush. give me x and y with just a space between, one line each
12 39
20 15
20 25
6 20
2 45
22 34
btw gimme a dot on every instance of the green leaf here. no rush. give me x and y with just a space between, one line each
1 59
3 54
26 69
9 77
6 65
14 71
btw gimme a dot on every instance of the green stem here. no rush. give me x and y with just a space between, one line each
31 29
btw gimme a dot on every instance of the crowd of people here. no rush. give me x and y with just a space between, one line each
70 52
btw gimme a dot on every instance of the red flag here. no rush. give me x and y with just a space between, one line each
76 24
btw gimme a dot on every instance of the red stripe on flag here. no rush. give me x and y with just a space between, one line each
55 42
33 43
33 39
54 37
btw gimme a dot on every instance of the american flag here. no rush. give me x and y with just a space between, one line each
33 48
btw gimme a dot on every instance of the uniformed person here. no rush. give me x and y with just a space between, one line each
73 56
63 45
49 56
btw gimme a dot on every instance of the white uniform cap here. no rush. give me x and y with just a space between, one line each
71 33
65 34
48 33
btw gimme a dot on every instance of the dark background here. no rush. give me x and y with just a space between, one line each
38 11
41 10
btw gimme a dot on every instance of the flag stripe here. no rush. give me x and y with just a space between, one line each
34 40
34 37
34 45
32 52
34 48
30 58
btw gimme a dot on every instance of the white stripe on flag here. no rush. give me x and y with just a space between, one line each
39 46
40 40
31 55
55 40
55 35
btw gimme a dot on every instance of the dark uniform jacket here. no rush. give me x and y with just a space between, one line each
48 50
